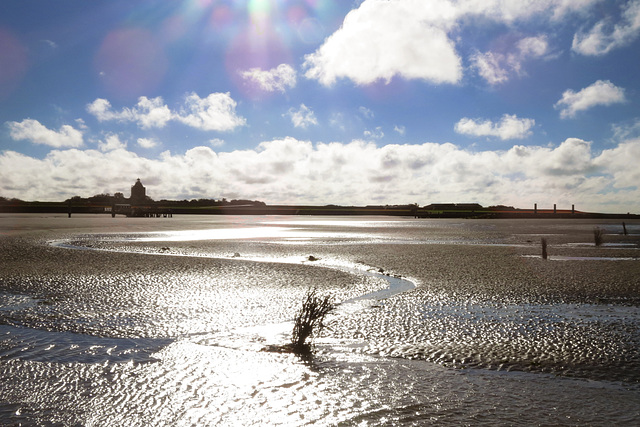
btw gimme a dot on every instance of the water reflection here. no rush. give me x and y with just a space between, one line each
30 344
584 258
223 234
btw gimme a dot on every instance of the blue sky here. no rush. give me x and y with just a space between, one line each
324 101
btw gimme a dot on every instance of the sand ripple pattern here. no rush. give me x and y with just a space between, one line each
579 340
171 335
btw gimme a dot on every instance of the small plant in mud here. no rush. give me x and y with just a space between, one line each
598 236
543 241
310 320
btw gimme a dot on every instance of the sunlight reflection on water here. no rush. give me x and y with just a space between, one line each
284 233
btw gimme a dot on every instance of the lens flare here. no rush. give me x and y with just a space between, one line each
13 62
259 7
130 62
295 15
221 17
260 44
257 35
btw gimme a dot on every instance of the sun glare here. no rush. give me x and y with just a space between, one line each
259 6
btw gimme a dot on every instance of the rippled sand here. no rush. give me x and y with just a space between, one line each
165 329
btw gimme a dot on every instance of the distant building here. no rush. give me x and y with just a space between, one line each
138 193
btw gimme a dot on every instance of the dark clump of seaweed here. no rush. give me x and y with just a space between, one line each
309 320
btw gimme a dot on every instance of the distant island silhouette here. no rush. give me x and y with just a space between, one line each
139 204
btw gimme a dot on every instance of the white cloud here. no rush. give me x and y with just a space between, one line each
496 67
532 47
112 142
147 142
604 37
572 157
380 40
400 129
216 142
50 43
414 39
81 124
564 7
377 133
602 92
35 132
152 113
617 161
355 173
509 11
101 109
366 113
489 66
509 127
148 113
302 117
215 112
281 78
626 130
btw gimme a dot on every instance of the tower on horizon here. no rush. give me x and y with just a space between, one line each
138 193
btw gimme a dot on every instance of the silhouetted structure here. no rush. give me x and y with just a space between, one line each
453 206
138 193
139 205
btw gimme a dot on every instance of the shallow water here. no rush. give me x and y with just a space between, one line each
164 322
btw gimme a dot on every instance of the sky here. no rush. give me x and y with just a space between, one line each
348 102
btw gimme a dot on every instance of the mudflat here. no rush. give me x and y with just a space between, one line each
91 304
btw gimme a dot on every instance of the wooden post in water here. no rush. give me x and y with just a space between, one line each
624 228
573 209
554 208
535 208
543 241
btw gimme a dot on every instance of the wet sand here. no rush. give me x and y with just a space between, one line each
484 302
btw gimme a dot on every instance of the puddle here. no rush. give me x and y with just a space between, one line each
604 245
67 347
584 258
13 302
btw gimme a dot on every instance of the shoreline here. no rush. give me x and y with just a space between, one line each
161 210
